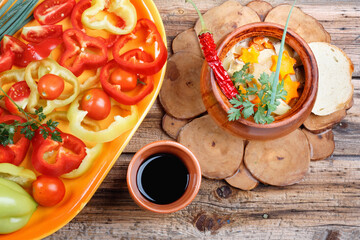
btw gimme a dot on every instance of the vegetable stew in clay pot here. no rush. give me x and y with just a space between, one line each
249 55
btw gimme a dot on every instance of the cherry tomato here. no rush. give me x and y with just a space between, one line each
48 191
97 103
126 80
50 86
17 92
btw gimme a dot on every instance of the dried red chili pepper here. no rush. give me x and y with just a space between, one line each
210 54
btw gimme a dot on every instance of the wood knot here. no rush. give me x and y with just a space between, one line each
343 125
204 222
224 191
333 235
172 71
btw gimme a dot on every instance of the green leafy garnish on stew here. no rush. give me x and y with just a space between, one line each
244 106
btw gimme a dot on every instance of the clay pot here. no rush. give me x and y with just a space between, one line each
188 159
218 105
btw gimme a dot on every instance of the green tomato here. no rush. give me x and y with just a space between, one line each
16 206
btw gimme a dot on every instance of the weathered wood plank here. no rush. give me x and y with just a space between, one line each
327 199
325 205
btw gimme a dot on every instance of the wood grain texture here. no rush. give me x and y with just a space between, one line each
325 205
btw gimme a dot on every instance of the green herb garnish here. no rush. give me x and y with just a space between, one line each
16 17
269 93
28 128
242 105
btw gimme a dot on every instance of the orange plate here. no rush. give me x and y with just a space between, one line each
46 221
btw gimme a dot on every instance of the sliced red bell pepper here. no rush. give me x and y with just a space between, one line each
39 51
6 60
115 91
79 8
37 34
53 11
19 92
153 38
14 153
82 52
14 45
54 158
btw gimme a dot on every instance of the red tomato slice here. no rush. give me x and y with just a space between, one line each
14 45
53 11
6 60
37 34
19 92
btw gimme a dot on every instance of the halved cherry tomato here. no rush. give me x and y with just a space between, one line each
97 103
53 11
50 86
16 46
126 80
39 51
48 191
6 60
39 33
19 92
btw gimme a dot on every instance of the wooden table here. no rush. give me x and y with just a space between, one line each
325 205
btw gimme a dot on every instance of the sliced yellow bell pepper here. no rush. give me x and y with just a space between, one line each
36 70
114 130
91 155
20 175
121 8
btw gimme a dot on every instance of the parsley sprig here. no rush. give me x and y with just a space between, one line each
242 105
28 128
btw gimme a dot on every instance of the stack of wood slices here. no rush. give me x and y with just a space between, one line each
244 163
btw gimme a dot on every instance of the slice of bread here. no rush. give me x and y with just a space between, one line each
335 89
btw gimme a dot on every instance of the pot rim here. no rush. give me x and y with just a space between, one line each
308 95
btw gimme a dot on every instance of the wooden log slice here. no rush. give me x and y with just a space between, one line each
187 41
317 124
172 126
310 29
242 179
180 93
223 19
322 145
260 7
219 153
280 162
